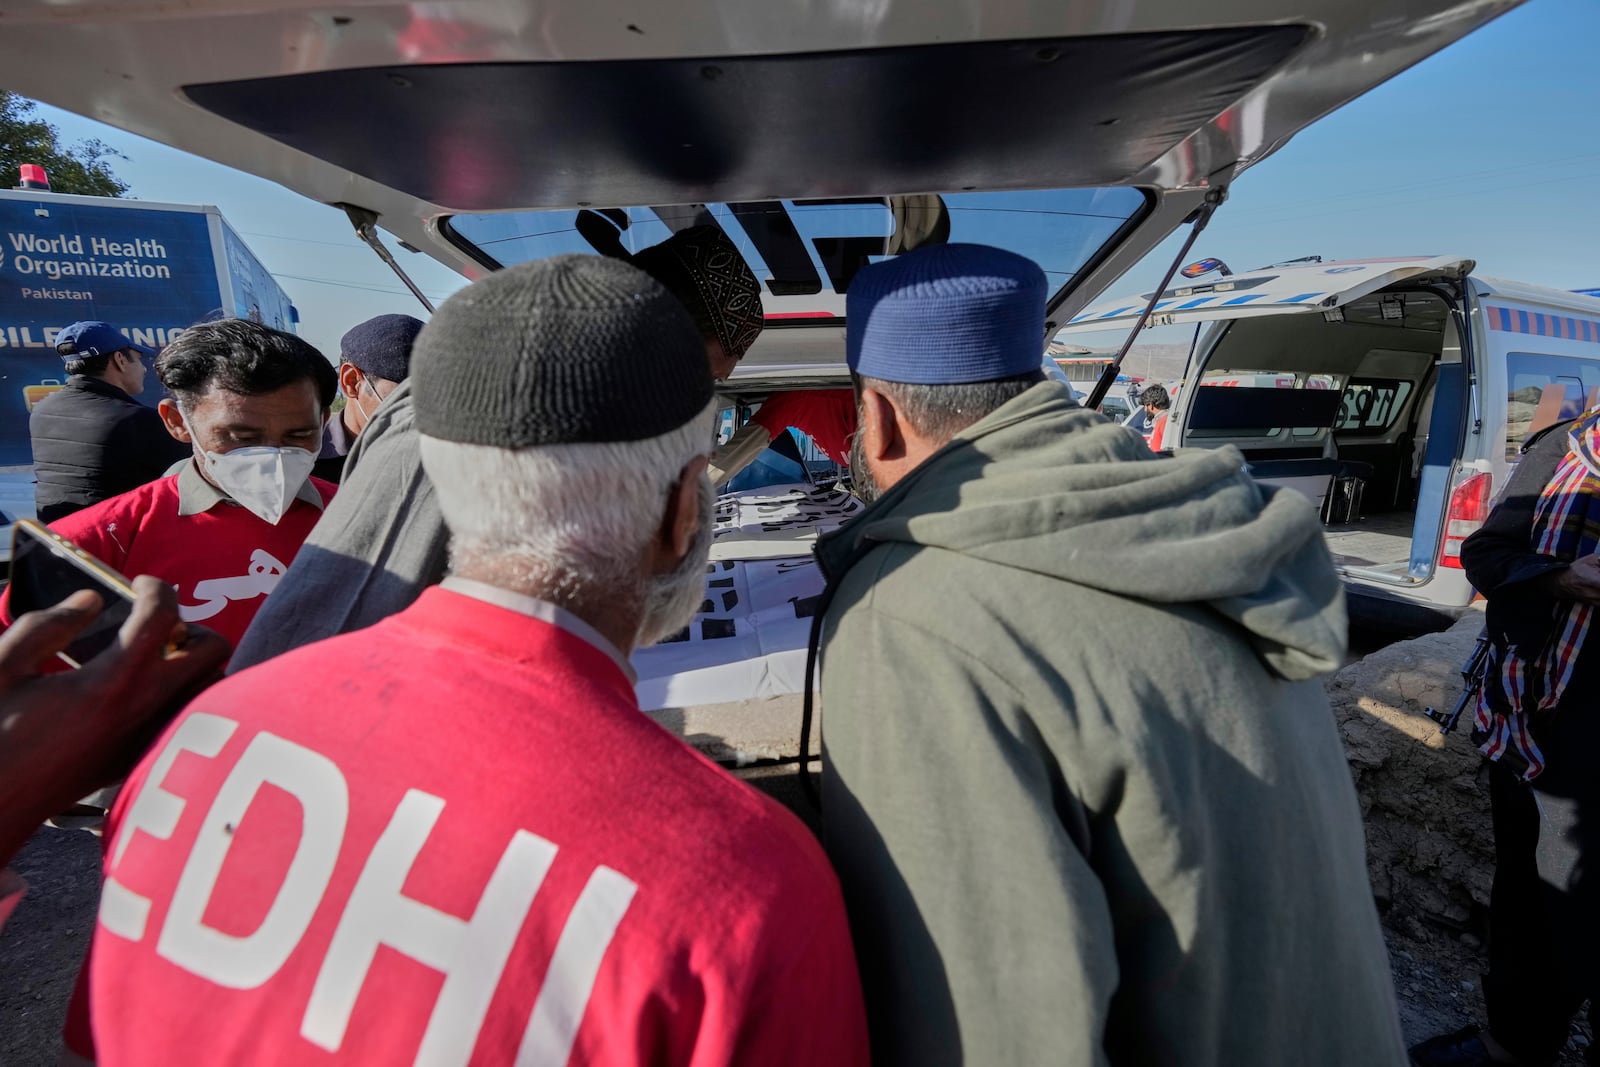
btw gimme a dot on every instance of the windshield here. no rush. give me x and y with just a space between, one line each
805 252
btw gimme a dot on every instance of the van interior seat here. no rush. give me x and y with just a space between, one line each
1261 455
1218 408
1311 473
1311 478
1389 483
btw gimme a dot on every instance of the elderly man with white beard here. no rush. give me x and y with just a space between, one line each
469 785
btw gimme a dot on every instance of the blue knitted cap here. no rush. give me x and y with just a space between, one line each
946 314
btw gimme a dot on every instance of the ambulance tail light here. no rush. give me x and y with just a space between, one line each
1469 506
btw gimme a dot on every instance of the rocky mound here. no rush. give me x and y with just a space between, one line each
1430 847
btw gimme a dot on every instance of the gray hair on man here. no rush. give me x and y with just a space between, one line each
937 411
571 521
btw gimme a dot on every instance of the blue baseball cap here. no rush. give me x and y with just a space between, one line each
83 340
946 315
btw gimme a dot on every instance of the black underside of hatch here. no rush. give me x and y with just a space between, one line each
1042 113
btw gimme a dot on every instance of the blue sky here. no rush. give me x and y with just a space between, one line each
1490 149
334 279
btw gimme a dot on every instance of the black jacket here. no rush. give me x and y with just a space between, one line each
336 444
1499 559
91 442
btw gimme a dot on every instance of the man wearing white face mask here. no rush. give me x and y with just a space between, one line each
374 358
251 402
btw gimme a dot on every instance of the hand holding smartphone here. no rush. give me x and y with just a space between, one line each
65 734
46 568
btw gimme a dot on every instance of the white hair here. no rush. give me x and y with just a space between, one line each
568 520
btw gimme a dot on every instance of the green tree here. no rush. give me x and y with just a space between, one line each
81 168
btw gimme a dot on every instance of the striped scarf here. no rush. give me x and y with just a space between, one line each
1520 683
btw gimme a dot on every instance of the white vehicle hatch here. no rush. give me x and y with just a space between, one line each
1294 288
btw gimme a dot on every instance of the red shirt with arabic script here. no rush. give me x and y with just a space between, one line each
223 561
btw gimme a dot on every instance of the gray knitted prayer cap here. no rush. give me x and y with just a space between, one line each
559 351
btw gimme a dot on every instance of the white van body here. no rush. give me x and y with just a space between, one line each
1409 385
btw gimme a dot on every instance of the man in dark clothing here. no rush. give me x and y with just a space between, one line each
91 439
374 358
1539 728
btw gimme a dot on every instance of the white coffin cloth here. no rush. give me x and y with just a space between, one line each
762 585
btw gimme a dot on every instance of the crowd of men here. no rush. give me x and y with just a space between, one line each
1066 818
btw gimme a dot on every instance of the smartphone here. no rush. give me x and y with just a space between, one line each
46 568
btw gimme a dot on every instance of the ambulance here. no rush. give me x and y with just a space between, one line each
1394 393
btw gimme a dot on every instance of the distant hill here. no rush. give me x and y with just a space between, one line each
1157 361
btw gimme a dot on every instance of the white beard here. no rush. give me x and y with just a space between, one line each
671 600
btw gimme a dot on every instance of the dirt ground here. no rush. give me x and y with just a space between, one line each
1437 982
43 944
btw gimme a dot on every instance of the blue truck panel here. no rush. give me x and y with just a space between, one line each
152 271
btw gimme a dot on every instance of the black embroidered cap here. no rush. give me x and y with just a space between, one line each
564 350
704 269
